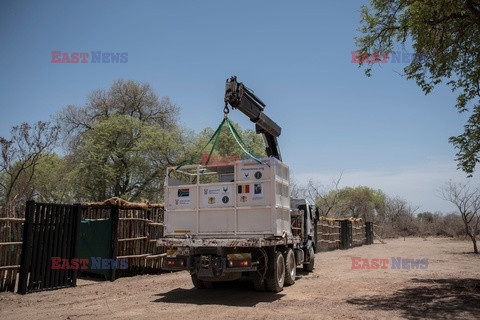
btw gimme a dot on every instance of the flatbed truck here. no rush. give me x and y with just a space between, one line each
233 221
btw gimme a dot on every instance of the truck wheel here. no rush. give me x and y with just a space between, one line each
290 268
197 283
208 284
274 282
258 284
309 267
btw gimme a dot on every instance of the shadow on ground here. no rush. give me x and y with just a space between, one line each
431 299
236 294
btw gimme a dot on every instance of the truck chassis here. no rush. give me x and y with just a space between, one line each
270 263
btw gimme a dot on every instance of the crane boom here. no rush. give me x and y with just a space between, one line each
243 99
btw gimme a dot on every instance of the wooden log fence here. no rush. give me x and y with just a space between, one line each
11 230
328 234
342 233
138 228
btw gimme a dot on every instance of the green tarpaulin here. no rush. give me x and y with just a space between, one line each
95 241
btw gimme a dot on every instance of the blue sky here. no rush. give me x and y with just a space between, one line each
382 131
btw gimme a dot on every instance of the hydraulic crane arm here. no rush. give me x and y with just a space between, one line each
243 99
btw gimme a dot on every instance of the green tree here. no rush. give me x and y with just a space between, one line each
126 157
361 202
121 141
19 157
130 98
445 35
53 180
425 217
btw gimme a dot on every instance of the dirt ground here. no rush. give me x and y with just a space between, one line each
448 289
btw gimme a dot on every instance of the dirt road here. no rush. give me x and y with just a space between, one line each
448 288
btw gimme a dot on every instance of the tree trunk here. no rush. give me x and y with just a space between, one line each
474 240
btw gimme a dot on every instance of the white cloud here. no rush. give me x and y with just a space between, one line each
418 184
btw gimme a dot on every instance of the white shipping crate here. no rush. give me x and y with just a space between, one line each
246 198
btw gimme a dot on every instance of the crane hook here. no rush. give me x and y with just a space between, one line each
226 110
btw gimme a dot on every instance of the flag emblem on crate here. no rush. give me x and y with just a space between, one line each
183 192
244 188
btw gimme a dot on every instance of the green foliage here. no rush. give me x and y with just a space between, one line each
362 201
446 35
53 180
122 141
358 202
125 157
425 216
19 156
468 143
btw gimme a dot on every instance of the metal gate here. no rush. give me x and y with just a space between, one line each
51 230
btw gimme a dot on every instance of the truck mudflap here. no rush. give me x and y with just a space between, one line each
228 242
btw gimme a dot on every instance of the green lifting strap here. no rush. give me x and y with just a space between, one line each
240 141
214 138
215 135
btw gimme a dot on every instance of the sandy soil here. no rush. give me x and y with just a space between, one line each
449 288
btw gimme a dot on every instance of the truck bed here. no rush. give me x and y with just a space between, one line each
253 242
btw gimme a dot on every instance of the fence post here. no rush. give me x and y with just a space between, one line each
114 216
26 258
349 233
76 237
344 234
369 232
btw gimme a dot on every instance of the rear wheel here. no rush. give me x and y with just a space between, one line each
309 266
276 278
290 267
259 284
197 283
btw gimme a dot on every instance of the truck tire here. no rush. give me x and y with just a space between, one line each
197 283
259 284
276 279
290 267
309 266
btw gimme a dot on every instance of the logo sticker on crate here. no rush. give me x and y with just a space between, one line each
217 196
243 188
257 191
184 192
